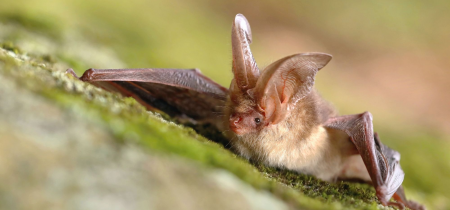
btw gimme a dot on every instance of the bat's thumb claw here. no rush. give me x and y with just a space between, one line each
70 71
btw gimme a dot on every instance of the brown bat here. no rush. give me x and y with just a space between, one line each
274 116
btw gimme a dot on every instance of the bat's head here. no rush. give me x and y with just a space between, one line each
258 100
243 117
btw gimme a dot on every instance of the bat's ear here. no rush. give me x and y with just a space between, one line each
245 70
285 82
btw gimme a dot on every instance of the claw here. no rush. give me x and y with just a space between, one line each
70 71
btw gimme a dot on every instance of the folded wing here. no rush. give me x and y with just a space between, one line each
177 92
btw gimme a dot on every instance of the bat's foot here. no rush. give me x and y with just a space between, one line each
410 204
414 205
400 197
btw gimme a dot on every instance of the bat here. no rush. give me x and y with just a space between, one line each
274 116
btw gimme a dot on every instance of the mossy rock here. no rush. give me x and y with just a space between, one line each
71 145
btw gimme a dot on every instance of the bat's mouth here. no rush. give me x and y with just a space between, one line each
240 130
236 129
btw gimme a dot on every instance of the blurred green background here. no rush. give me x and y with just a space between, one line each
390 57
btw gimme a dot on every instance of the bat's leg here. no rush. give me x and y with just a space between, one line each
381 162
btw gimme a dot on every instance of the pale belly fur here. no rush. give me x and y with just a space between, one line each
323 154
315 155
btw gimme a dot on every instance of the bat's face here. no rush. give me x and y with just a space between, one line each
242 114
246 122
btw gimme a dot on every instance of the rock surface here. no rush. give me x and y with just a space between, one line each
65 144
51 158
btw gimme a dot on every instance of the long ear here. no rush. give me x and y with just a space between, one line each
285 82
245 70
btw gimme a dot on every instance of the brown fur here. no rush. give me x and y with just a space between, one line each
298 142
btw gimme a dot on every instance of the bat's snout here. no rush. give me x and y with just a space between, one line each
236 124
235 120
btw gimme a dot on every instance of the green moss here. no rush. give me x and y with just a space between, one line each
209 131
129 121
346 193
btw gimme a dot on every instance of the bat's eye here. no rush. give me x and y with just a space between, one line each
257 120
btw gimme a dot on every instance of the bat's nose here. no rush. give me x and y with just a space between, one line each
237 124
235 120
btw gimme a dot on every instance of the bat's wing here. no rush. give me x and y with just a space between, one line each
177 92
381 162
